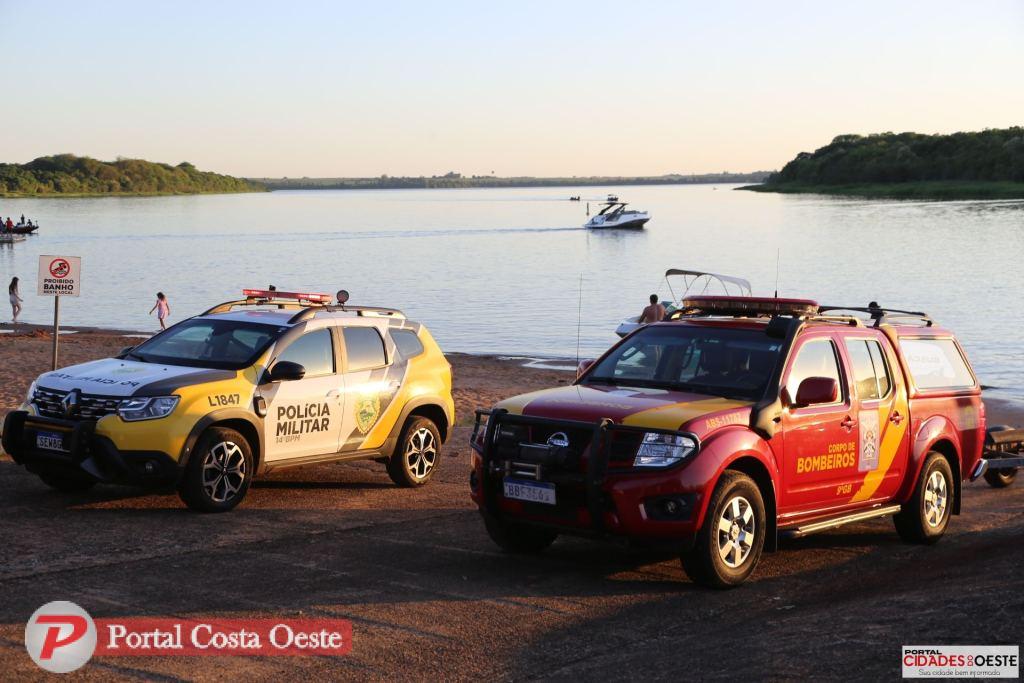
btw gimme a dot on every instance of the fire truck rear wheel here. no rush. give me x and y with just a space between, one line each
66 484
219 471
728 545
416 455
923 519
519 538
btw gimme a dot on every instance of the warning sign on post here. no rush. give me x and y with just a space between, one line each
60 275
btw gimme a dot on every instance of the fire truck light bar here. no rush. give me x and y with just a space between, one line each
740 305
298 296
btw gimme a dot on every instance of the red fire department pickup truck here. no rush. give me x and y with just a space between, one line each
733 422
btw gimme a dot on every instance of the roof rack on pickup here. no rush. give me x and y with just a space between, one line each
882 315
306 304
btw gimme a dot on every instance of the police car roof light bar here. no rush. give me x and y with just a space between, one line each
270 294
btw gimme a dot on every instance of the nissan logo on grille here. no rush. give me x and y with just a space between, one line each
559 439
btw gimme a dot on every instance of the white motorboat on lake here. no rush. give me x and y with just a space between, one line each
615 215
727 284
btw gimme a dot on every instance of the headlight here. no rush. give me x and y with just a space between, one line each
135 409
662 450
31 395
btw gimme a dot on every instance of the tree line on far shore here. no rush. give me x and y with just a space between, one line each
70 174
988 155
457 180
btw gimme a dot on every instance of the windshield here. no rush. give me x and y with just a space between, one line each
729 362
209 343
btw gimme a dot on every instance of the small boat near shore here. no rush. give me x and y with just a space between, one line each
615 215
23 229
719 284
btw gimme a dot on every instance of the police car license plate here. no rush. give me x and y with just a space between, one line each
50 441
530 491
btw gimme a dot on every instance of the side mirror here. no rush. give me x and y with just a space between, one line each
817 390
583 367
286 371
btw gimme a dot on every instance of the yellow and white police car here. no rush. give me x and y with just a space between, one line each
273 380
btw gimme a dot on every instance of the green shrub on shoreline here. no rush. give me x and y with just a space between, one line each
988 164
67 175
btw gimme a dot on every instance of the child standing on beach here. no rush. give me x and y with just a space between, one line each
162 308
16 301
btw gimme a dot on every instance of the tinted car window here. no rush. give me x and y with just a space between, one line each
364 348
870 375
936 364
881 368
408 343
209 343
816 358
313 351
711 360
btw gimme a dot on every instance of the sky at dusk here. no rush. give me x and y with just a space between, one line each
515 88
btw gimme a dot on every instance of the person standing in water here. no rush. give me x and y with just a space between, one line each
15 296
162 308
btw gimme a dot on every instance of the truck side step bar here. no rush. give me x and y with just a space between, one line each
861 516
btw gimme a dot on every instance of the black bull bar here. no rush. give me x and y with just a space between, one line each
598 453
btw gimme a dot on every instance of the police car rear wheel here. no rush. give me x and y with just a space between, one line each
728 545
219 471
416 455
66 484
923 519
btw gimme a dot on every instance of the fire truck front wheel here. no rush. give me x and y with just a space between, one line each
728 545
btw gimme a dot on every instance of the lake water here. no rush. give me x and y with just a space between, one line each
499 270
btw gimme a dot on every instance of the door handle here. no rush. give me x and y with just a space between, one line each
333 393
848 423
896 418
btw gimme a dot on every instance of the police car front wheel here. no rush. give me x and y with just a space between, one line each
416 454
219 472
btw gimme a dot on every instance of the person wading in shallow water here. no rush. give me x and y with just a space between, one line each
16 301
162 308
653 313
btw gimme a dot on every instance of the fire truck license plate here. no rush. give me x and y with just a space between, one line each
530 491
50 441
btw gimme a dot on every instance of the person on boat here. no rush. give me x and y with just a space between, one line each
10 224
653 313
162 308
22 220
15 297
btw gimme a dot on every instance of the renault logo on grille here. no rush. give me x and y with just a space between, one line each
559 439
70 402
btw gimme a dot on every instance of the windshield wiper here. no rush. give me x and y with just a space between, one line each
132 354
602 380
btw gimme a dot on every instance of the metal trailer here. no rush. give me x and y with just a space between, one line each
1002 457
